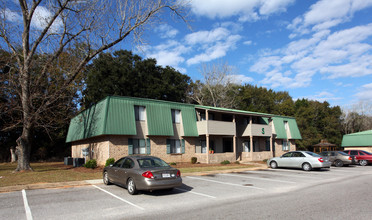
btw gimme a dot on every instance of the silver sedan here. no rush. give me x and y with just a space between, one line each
300 159
142 173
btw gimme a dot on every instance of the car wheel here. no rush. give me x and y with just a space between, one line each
106 179
273 165
131 186
339 163
363 162
306 167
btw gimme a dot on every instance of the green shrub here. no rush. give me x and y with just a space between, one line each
237 162
265 160
173 163
193 160
110 161
225 162
91 164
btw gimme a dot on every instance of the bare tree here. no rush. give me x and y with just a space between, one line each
218 88
357 118
39 34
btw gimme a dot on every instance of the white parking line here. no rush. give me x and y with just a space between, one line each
281 174
257 178
27 208
119 198
231 184
200 194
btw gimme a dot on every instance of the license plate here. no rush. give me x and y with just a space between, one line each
166 175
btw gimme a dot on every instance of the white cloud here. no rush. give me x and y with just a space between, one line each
251 10
240 79
166 31
39 20
345 53
365 92
325 14
216 50
168 54
248 42
202 37
11 16
323 96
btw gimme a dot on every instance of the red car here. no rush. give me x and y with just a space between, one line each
362 156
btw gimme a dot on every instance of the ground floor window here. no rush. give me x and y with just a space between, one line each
267 144
285 145
246 146
139 146
175 146
203 145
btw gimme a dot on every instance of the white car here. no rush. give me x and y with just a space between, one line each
300 159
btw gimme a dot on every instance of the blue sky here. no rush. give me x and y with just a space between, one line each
319 50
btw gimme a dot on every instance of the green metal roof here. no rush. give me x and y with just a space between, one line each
359 139
280 128
114 115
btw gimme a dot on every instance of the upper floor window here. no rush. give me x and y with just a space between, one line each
140 113
286 125
176 116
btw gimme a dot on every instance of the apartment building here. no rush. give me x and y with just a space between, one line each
118 126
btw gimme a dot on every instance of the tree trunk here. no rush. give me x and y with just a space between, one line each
13 155
23 151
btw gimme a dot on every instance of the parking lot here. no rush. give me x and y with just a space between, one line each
99 201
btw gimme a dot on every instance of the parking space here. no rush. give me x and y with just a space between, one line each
113 202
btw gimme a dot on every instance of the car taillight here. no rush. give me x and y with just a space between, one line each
350 158
178 173
148 174
321 160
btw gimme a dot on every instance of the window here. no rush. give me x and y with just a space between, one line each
139 146
175 147
246 146
176 116
152 162
353 152
285 145
267 144
203 144
140 113
128 163
119 163
286 125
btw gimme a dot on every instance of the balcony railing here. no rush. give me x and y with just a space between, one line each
216 127
255 130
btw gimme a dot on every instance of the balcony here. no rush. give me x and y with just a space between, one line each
216 128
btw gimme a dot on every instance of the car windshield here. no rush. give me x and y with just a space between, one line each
343 153
151 162
312 154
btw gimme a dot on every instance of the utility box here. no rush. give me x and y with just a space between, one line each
78 162
68 160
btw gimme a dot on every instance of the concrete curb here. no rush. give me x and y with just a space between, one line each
99 181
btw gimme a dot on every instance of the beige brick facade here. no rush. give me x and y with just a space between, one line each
116 146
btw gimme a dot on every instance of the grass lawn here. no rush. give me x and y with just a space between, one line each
45 173
58 172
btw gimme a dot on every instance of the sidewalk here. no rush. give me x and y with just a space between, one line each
99 181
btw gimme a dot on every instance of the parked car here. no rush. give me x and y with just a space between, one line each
142 173
362 156
300 159
338 158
